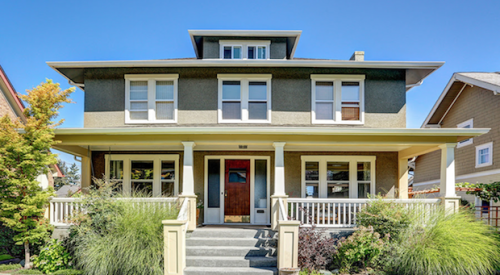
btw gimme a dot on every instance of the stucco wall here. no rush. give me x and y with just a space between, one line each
385 96
211 47
482 106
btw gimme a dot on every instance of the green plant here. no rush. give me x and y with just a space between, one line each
362 249
451 243
68 272
388 218
309 272
27 272
5 257
5 267
52 257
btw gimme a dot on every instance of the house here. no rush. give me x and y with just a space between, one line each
469 100
253 130
11 105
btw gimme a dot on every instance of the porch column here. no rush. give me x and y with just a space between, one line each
86 178
188 184
279 183
403 178
447 186
174 236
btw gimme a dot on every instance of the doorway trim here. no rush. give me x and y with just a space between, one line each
222 159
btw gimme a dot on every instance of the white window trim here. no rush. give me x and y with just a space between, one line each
337 89
244 48
127 159
488 145
244 79
353 179
151 79
467 141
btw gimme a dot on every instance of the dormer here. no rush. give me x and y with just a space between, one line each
244 45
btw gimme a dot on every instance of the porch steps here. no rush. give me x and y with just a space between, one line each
248 251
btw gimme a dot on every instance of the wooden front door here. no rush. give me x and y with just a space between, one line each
237 191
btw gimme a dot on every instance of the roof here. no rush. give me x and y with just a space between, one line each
65 189
18 104
458 82
291 36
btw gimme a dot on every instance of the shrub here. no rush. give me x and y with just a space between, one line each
307 272
362 249
27 272
315 249
5 257
6 267
52 257
388 218
447 244
68 272
7 243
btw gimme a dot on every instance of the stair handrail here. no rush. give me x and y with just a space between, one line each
282 213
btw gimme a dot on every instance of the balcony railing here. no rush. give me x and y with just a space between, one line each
342 212
61 210
489 214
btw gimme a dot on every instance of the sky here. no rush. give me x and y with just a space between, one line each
464 34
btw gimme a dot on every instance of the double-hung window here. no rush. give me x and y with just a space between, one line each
244 98
151 175
230 49
466 124
338 176
337 99
151 98
484 155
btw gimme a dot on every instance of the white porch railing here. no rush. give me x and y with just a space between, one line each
62 209
341 212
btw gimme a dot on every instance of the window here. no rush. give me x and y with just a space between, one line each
244 98
151 98
244 49
465 124
338 176
484 155
337 99
151 175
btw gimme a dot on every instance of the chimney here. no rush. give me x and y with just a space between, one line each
358 56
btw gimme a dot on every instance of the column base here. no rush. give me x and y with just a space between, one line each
451 204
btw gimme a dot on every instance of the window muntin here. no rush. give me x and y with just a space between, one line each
244 49
151 98
244 98
466 124
337 99
484 155
338 176
153 175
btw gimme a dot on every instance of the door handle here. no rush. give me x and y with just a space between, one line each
225 193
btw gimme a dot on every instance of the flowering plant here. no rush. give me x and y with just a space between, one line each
53 257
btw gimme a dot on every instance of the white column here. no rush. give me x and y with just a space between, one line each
448 170
403 178
187 170
279 169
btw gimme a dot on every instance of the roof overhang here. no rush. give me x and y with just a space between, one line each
451 92
291 36
11 94
416 71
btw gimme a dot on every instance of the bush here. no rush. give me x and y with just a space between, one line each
27 272
52 257
6 267
5 257
448 244
362 249
68 272
387 218
315 249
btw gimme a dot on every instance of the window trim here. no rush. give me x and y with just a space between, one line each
323 183
488 145
467 141
337 98
151 79
244 48
127 160
244 78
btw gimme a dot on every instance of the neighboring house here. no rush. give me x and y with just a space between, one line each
469 100
11 105
247 125
67 191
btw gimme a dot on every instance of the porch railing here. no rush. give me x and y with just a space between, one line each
61 210
341 212
489 214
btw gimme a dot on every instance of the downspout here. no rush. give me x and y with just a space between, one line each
81 86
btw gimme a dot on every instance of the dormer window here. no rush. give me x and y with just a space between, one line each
244 49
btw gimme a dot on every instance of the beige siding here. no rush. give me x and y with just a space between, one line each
427 167
5 108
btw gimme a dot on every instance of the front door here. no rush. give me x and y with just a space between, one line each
237 191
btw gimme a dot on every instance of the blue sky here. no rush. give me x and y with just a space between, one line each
464 34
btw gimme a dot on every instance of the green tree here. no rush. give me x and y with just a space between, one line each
71 175
25 154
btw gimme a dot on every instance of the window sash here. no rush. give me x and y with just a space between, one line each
250 50
484 155
466 125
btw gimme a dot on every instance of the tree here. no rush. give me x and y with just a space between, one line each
485 191
71 175
25 154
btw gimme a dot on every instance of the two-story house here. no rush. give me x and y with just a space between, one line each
245 121
469 100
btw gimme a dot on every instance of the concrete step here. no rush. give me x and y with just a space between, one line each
225 261
230 271
240 251
256 242
232 233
